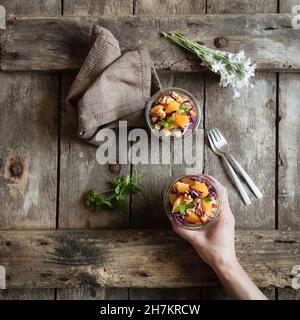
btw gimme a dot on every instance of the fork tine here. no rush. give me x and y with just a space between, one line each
214 140
215 130
210 141
220 135
214 136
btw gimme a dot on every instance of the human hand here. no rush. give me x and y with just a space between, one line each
215 245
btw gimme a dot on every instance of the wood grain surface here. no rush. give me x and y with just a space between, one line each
28 131
288 159
79 170
249 124
147 208
35 196
267 38
136 258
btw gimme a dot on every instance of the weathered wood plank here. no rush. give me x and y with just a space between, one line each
28 127
78 164
166 294
91 293
96 7
32 7
136 258
210 293
27 294
288 153
288 294
249 125
169 7
268 39
241 6
28 121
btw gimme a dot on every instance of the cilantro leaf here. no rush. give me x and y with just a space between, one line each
114 198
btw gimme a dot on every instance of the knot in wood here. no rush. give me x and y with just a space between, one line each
16 169
114 168
220 42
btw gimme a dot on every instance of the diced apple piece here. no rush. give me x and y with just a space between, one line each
201 187
181 120
207 206
156 109
182 187
204 218
166 132
193 218
172 198
176 204
172 106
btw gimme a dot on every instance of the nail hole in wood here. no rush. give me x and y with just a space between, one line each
220 42
114 168
16 169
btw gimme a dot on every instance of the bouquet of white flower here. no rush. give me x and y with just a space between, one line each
235 69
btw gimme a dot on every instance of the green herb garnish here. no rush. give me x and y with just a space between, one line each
208 198
170 120
164 123
114 198
183 207
185 107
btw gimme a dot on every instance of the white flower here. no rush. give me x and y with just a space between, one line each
235 69
216 67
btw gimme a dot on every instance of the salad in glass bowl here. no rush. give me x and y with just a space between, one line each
173 113
193 202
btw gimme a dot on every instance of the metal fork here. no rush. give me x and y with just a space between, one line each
229 169
222 145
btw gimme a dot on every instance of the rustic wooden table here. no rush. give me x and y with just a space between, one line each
44 170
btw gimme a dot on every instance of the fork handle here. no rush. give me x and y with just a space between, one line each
236 181
244 174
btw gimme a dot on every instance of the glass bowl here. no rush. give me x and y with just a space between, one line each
183 93
203 218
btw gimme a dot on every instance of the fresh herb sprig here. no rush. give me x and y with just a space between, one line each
114 198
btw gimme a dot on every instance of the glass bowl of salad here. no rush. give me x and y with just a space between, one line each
173 113
192 201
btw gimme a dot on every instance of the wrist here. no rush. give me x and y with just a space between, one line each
226 266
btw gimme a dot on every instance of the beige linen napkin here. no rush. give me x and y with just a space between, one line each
110 86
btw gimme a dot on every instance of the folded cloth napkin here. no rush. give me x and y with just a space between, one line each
110 86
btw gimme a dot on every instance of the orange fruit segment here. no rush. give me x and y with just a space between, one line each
182 187
201 187
193 218
181 120
188 181
172 106
207 206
